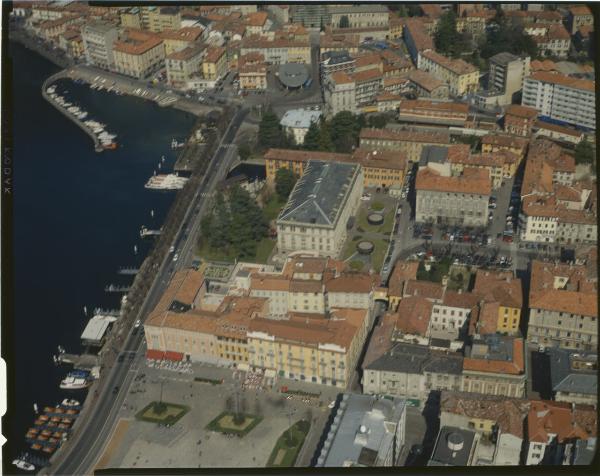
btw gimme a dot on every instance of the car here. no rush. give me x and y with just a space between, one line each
138 323
116 390
366 197
541 349
403 195
331 404
172 249
492 206
176 257
120 358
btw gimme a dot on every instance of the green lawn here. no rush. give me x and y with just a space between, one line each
386 228
378 254
224 423
209 254
168 415
263 250
273 207
284 454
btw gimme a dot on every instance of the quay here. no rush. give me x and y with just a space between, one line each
49 81
129 271
113 288
80 362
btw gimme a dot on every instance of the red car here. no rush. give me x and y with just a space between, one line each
466 238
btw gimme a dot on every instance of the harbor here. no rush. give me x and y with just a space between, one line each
94 187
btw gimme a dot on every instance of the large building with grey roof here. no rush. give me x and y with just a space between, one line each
573 376
367 431
319 207
413 371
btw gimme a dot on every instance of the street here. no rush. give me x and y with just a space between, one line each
79 455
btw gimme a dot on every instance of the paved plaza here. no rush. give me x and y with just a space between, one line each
138 444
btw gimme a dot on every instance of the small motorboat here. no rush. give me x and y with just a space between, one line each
70 402
24 465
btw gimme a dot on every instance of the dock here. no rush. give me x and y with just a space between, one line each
144 232
80 362
49 81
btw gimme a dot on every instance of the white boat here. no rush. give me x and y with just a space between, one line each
166 182
70 402
24 465
75 381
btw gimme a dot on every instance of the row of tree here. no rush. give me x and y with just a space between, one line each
339 134
235 224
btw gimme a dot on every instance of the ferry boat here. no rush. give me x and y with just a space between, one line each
24 465
166 182
75 381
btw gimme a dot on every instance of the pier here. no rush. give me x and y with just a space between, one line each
130 271
55 77
80 362
113 288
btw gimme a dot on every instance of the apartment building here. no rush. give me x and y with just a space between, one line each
519 120
495 365
165 18
563 307
505 291
490 416
455 200
553 428
561 98
557 133
368 84
214 65
407 141
369 432
310 15
461 77
555 41
177 40
382 168
325 351
432 112
573 376
98 40
131 18
138 54
283 47
500 165
403 272
450 317
338 43
417 40
339 92
334 61
506 75
297 122
316 214
424 85
359 16
183 65
492 143
579 16
252 72
72 43
412 371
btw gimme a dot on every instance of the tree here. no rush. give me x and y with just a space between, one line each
447 39
502 36
345 128
378 121
325 142
344 22
269 130
245 152
584 153
285 180
311 139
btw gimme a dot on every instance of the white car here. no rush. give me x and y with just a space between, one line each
176 257
171 249
366 197
137 324
331 405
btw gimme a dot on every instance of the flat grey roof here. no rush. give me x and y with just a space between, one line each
504 58
320 194
293 75
565 378
363 429
453 447
433 153
416 359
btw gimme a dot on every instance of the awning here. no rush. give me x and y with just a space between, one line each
170 355
270 373
244 367
155 354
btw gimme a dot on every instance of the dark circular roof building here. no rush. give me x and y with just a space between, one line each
293 75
